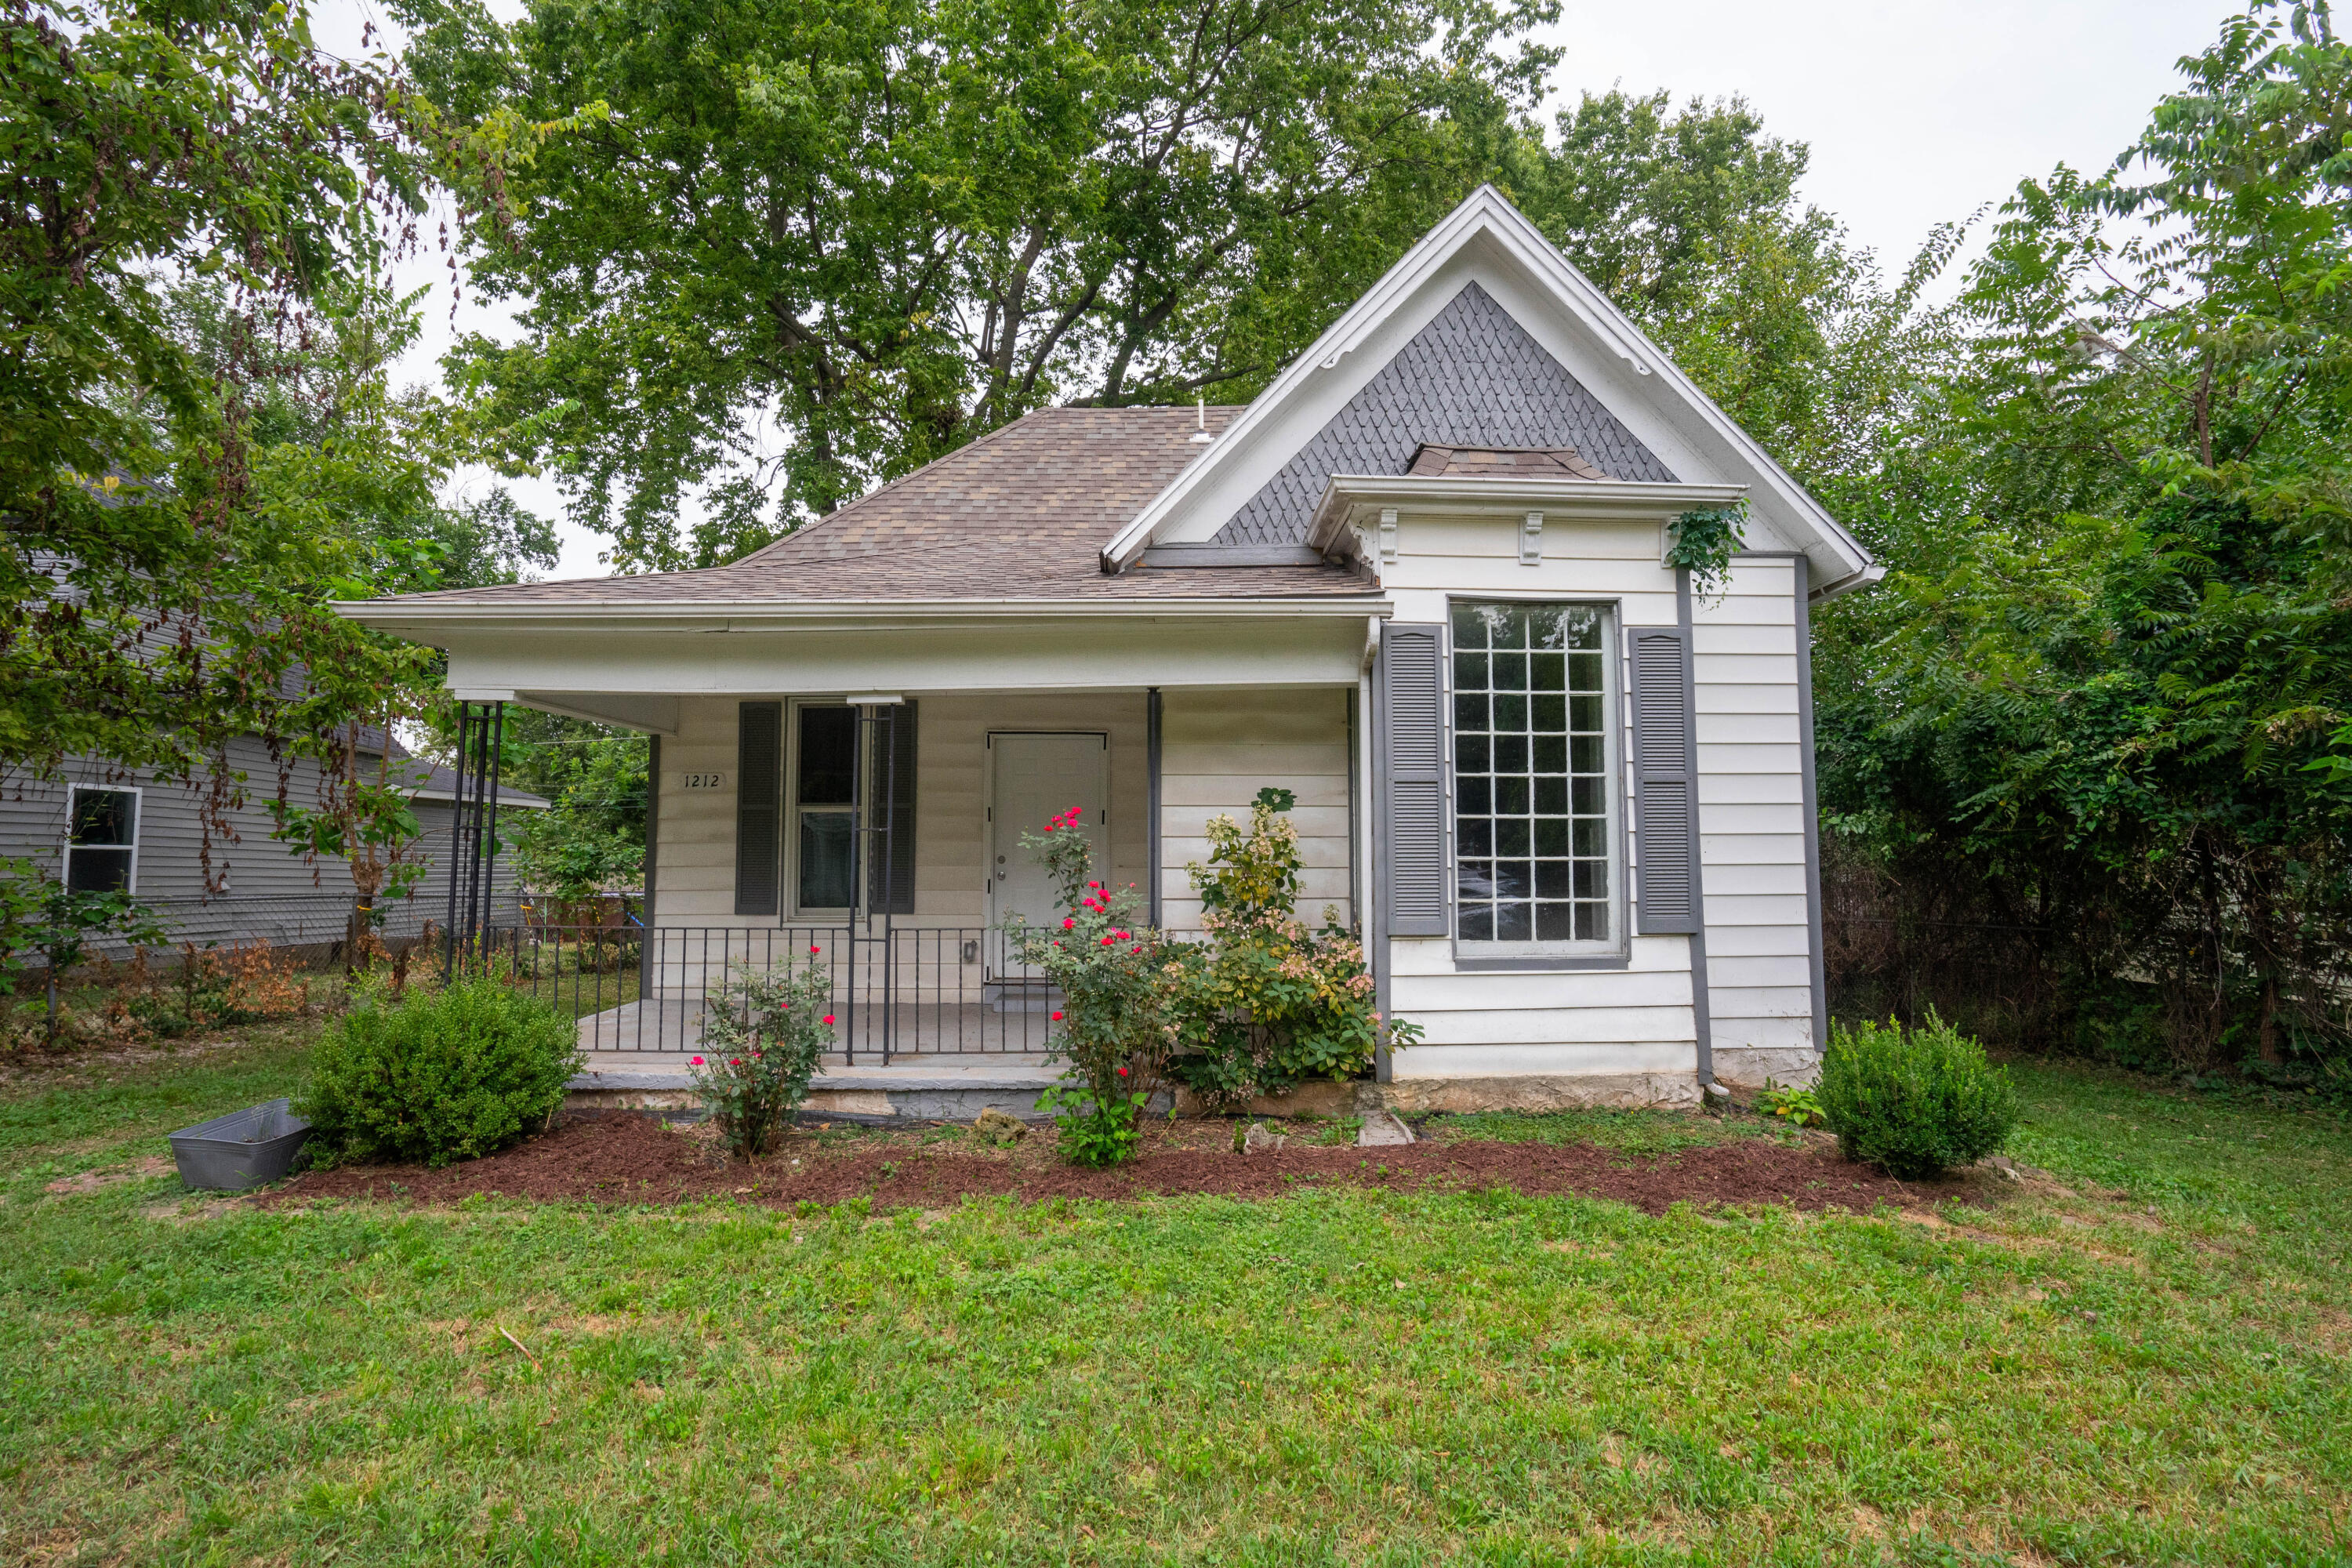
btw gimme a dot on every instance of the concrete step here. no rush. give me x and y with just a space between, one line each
944 1088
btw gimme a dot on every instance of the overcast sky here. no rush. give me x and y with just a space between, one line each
1916 111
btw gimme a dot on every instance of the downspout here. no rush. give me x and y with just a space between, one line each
1701 1004
1818 956
1376 939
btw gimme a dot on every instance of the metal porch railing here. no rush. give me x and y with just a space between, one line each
895 990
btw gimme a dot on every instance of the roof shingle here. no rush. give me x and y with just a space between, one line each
1023 512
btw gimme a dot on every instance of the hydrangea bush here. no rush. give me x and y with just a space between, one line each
1267 1003
764 1033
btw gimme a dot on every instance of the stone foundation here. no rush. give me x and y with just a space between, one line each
1611 1092
1326 1101
1744 1068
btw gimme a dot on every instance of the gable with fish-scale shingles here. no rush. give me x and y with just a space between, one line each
1473 377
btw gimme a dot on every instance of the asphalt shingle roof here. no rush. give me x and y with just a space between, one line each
1472 378
1023 512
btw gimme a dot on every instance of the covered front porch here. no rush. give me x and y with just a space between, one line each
877 838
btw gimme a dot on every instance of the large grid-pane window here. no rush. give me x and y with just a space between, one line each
1533 856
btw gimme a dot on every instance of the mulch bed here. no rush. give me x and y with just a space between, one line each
620 1158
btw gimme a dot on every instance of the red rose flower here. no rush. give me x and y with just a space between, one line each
1122 1072
1058 1017
1067 924
828 1017
697 1061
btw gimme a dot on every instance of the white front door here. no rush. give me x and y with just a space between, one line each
1032 779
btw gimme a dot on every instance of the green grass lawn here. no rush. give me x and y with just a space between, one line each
2151 1368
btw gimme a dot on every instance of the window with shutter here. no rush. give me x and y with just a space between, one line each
1666 784
825 809
1411 737
1535 858
759 806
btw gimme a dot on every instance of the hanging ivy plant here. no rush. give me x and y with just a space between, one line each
1704 541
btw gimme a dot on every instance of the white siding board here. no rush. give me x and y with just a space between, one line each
1726 971
1716 698
1739 880
1509 1060
1778 1033
1711 640
1751 941
1753 817
1560 1026
1749 789
1756 912
1749 758
1473 991
1752 850
1742 726
1647 954
1746 669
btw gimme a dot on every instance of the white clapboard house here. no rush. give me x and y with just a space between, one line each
1418 582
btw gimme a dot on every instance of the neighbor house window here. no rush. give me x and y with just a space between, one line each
101 841
825 793
1535 853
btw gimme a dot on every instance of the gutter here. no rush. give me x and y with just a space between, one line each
839 614
1867 577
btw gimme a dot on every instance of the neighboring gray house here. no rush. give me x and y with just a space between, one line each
104 827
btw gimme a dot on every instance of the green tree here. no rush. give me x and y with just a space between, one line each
1689 220
198 451
2086 706
803 246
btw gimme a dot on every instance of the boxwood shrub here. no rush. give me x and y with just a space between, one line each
1913 1102
437 1075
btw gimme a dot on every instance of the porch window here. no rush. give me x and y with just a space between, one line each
1535 862
824 795
102 840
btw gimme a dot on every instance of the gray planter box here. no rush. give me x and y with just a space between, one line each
243 1148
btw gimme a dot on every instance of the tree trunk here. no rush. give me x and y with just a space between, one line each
2273 1054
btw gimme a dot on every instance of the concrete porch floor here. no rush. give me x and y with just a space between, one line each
672 1026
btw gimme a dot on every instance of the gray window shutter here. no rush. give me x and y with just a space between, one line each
759 806
890 868
1412 737
1665 781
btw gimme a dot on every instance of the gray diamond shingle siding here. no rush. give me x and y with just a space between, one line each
1473 377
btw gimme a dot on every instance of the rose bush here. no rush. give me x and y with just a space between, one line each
762 1038
1266 1004
1110 1027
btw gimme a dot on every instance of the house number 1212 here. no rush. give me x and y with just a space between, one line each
706 781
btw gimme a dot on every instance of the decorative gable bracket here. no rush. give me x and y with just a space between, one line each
1370 506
